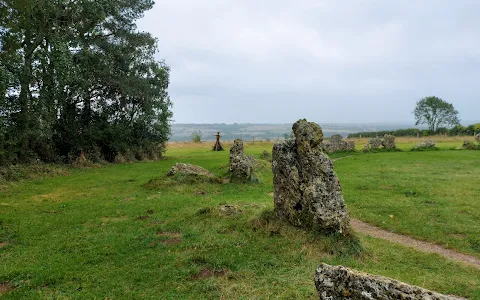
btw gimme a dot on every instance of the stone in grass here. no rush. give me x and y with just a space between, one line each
388 142
307 192
241 167
182 169
338 282
469 145
477 138
425 144
336 143
373 143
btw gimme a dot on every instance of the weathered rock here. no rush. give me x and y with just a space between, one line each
375 142
469 145
477 138
307 192
337 282
241 166
336 143
388 142
189 170
425 144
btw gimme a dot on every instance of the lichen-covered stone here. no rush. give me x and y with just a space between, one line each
336 143
388 142
338 282
477 138
469 145
189 170
307 192
241 166
425 144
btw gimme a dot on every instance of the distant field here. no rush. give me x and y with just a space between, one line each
182 132
101 234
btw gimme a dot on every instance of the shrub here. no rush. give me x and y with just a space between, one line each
196 136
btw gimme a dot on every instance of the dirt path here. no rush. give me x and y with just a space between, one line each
413 243
335 159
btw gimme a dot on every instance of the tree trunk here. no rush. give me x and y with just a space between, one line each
23 118
24 96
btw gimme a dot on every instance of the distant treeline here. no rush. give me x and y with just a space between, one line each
469 130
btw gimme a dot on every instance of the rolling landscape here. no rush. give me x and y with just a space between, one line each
239 150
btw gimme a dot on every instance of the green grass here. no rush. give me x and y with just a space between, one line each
432 195
80 236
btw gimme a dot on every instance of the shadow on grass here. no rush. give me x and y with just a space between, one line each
346 244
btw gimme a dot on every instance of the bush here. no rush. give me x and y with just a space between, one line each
196 136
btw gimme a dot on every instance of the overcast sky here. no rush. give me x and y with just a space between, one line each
345 61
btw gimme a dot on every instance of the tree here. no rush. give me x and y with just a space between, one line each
77 76
435 112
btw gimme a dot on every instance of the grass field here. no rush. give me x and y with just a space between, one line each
101 234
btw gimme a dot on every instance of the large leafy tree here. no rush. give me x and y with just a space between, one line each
435 112
77 76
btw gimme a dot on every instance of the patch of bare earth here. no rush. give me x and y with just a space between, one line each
173 241
169 234
173 237
413 243
208 273
5 287
3 244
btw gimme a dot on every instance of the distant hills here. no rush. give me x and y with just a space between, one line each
183 132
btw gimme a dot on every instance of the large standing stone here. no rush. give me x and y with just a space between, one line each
241 166
388 142
336 143
307 192
373 143
477 138
337 282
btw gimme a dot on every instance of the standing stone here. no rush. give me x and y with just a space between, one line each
388 142
477 138
241 166
338 282
307 192
336 143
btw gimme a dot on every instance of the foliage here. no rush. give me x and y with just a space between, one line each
457 130
435 112
31 171
398 132
77 77
196 136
